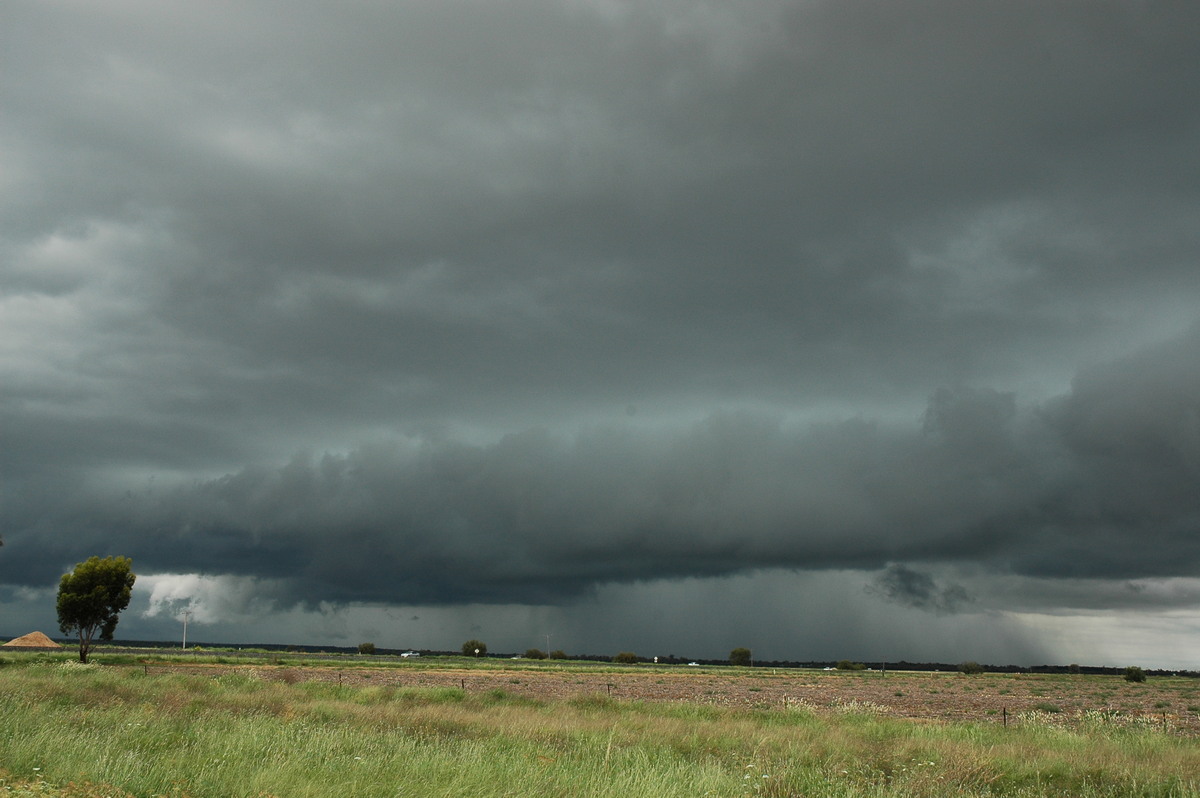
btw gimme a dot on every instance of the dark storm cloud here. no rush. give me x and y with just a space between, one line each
1097 483
426 194
919 590
616 292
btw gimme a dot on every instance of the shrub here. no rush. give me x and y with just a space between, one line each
847 665
626 658
1135 674
558 654
739 656
366 648
535 653
971 668
474 648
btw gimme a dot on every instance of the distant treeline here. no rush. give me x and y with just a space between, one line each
904 665
669 659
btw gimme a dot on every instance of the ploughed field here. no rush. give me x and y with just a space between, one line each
1169 703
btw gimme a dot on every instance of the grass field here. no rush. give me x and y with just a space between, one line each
121 729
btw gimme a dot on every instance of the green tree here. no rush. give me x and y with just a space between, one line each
91 597
971 668
366 648
739 656
558 653
535 653
474 648
626 658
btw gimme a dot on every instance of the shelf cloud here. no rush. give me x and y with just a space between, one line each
472 311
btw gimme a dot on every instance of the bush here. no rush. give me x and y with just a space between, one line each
739 656
366 648
626 658
1135 674
558 654
971 668
847 665
474 648
535 653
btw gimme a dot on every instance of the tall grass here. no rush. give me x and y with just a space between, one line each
236 735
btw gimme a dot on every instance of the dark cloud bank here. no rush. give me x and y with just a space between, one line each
466 302
1099 483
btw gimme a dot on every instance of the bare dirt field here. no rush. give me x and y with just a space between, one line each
1172 703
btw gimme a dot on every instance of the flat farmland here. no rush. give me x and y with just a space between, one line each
294 727
1172 703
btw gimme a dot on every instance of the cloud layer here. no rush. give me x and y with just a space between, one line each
1097 483
463 304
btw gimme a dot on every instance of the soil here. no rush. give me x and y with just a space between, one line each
1170 703
33 640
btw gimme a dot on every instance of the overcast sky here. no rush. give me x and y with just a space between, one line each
835 328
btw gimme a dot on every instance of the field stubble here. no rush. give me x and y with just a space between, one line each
1169 703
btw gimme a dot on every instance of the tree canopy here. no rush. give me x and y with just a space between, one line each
739 656
92 596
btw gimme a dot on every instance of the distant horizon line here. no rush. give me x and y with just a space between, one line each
201 647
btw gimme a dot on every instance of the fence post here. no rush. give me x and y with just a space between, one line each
1004 711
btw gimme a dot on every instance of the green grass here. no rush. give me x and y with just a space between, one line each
116 730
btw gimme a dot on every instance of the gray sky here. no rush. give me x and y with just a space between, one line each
832 329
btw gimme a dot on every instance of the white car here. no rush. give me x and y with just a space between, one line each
407 654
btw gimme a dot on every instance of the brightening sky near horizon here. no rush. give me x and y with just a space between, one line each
834 328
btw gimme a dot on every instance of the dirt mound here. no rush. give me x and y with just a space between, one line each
32 640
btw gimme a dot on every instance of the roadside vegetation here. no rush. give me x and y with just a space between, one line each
121 729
